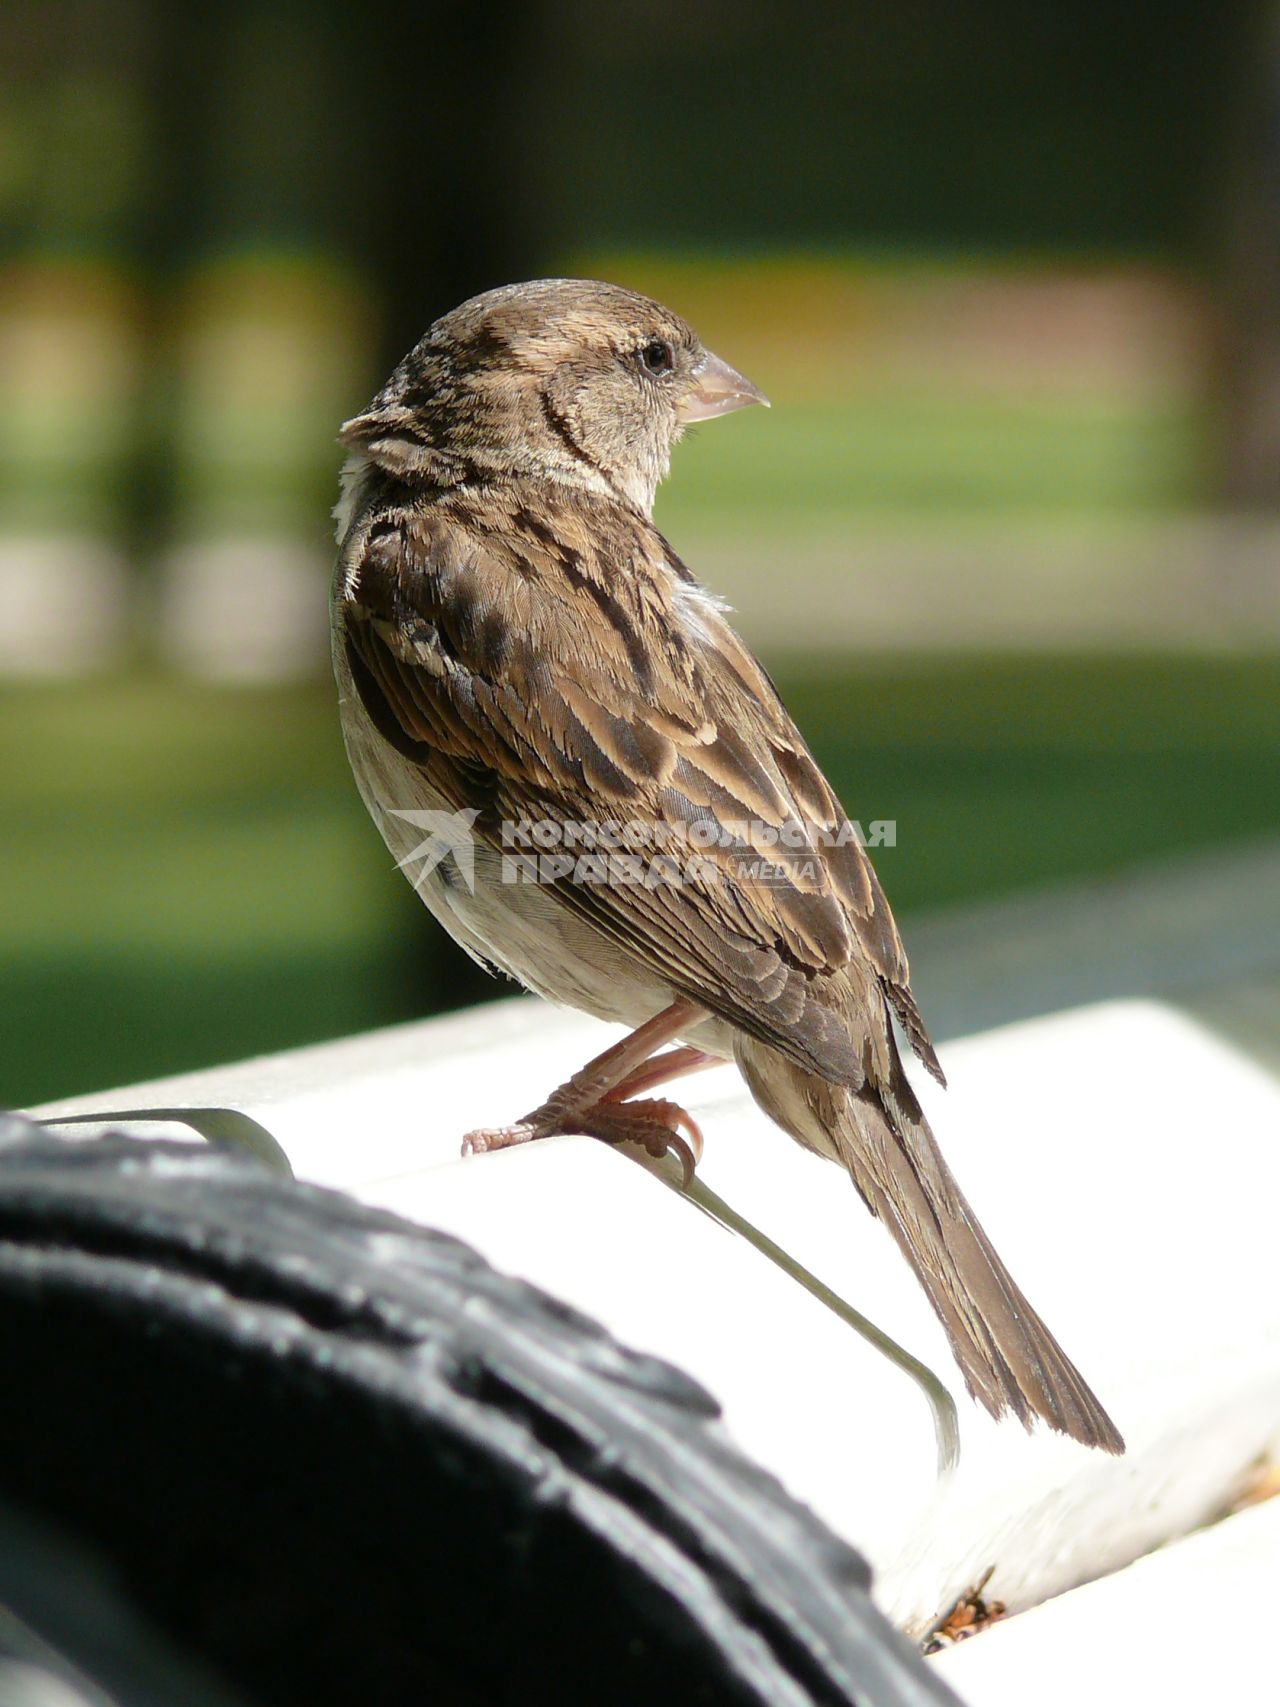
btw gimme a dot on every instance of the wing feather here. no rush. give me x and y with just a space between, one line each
487 641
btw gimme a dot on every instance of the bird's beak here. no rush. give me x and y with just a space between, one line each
717 390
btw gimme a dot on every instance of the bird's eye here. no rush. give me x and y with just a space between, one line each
657 356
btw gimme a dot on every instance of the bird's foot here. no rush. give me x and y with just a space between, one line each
656 1125
594 1100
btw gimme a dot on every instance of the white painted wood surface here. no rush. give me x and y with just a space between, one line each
1190 1625
1125 1161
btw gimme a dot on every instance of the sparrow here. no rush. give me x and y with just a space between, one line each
524 662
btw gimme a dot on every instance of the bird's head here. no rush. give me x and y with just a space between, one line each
564 379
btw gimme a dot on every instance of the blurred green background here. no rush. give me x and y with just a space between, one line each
1007 539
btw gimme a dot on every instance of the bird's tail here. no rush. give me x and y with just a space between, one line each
1009 1359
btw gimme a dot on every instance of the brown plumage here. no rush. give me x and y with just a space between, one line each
514 639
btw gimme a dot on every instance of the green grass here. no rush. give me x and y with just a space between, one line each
189 876
1007 773
815 466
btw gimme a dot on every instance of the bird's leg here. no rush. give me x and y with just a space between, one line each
591 1101
661 1069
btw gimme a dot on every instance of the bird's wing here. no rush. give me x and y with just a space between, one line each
544 663
875 944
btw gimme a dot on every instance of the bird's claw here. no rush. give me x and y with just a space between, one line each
657 1126
486 1138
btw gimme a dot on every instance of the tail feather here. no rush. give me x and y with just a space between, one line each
1009 1359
